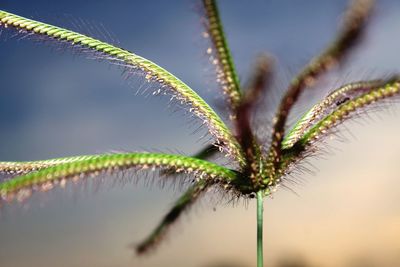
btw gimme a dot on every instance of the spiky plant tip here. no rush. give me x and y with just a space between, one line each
74 170
153 73
327 105
260 171
181 205
24 167
244 114
349 107
306 139
220 55
261 77
355 20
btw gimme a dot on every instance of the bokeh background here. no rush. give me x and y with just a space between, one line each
54 104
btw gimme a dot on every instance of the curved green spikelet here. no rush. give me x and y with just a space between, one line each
180 206
205 153
22 167
354 22
153 72
344 111
91 165
222 58
326 106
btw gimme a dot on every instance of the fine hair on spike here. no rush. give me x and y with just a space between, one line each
327 105
344 111
181 205
93 165
220 56
251 165
354 22
168 83
205 153
256 88
23 167
360 96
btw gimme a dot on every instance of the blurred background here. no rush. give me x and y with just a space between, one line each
55 104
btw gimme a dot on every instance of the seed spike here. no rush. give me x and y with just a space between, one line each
95 164
184 93
222 58
256 88
354 23
205 153
23 167
181 205
358 101
344 111
330 102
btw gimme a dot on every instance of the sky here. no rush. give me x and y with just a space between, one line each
54 103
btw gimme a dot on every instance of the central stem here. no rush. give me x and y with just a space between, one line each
260 210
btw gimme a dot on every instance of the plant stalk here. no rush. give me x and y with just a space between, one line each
260 209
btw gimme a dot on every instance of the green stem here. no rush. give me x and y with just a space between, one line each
260 210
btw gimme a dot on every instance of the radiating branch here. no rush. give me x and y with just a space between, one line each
205 153
23 167
327 105
181 205
221 55
153 73
93 165
354 23
259 82
350 106
336 108
255 90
